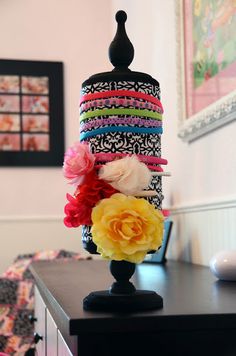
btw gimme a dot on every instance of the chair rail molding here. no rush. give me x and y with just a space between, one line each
213 204
201 229
25 218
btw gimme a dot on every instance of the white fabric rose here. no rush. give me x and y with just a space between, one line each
128 175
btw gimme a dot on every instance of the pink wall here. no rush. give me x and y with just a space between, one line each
202 170
77 33
201 191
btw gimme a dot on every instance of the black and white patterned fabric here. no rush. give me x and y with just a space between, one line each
146 88
126 142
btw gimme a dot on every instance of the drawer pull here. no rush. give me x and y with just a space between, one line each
37 338
32 319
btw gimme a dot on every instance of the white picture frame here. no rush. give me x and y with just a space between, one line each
215 115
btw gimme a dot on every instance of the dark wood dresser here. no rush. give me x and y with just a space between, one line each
198 317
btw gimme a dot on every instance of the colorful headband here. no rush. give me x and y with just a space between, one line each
107 157
121 111
134 129
161 174
119 102
119 121
129 93
145 193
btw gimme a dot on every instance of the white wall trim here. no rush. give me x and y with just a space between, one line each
223 203
216 204
30 218
201 229
33 233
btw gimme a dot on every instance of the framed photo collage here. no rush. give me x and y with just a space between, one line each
31 113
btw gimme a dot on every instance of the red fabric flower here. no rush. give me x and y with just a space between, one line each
166 213
78 210
77 213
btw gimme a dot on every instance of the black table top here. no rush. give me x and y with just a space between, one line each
193 297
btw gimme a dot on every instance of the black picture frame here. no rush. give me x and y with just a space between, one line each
31 92
160 255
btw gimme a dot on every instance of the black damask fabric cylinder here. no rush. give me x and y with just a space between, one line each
128 142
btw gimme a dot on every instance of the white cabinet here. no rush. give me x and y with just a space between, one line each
40 324
62 347
51 342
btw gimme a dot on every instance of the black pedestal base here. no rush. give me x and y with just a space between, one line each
140 300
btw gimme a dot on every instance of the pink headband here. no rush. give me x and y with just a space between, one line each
132 93
107 157
124 102
119 121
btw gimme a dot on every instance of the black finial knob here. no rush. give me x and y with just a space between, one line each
121 16
121 50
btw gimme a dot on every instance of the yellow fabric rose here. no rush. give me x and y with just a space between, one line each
126 228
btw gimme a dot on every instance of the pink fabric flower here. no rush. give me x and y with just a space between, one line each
78 161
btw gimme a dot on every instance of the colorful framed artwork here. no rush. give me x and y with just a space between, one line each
207 65
31 113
